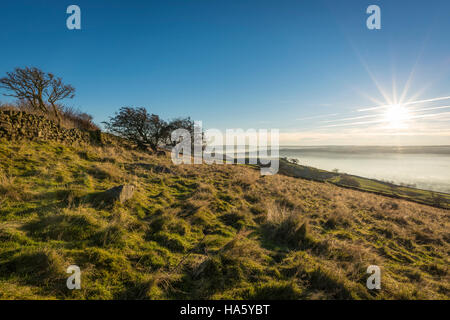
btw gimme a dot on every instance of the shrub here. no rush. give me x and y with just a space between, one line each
74 118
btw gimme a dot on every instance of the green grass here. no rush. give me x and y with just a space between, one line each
205 232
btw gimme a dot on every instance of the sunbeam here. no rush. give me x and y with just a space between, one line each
395 118
404 104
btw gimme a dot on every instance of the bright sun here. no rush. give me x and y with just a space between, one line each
397 116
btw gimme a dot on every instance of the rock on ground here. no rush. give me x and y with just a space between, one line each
120 193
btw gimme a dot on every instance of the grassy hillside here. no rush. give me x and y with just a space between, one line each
437 199
204 232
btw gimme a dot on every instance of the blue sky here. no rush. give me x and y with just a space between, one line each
305 67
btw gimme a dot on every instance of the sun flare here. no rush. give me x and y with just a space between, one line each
397 116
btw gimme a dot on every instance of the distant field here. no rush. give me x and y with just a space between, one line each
373 149
421 167
438 199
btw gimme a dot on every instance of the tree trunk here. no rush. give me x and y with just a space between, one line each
57 115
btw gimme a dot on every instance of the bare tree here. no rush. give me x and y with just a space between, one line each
38 88
58 91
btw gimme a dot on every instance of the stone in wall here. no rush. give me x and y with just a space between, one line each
19 125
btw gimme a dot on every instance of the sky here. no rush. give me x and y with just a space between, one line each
311 69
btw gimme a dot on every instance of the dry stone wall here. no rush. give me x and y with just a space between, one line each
18 125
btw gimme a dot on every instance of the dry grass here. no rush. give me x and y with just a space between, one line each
207 231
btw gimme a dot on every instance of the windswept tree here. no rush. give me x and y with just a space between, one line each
145 129
58 91
40 89
137 125
197 134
